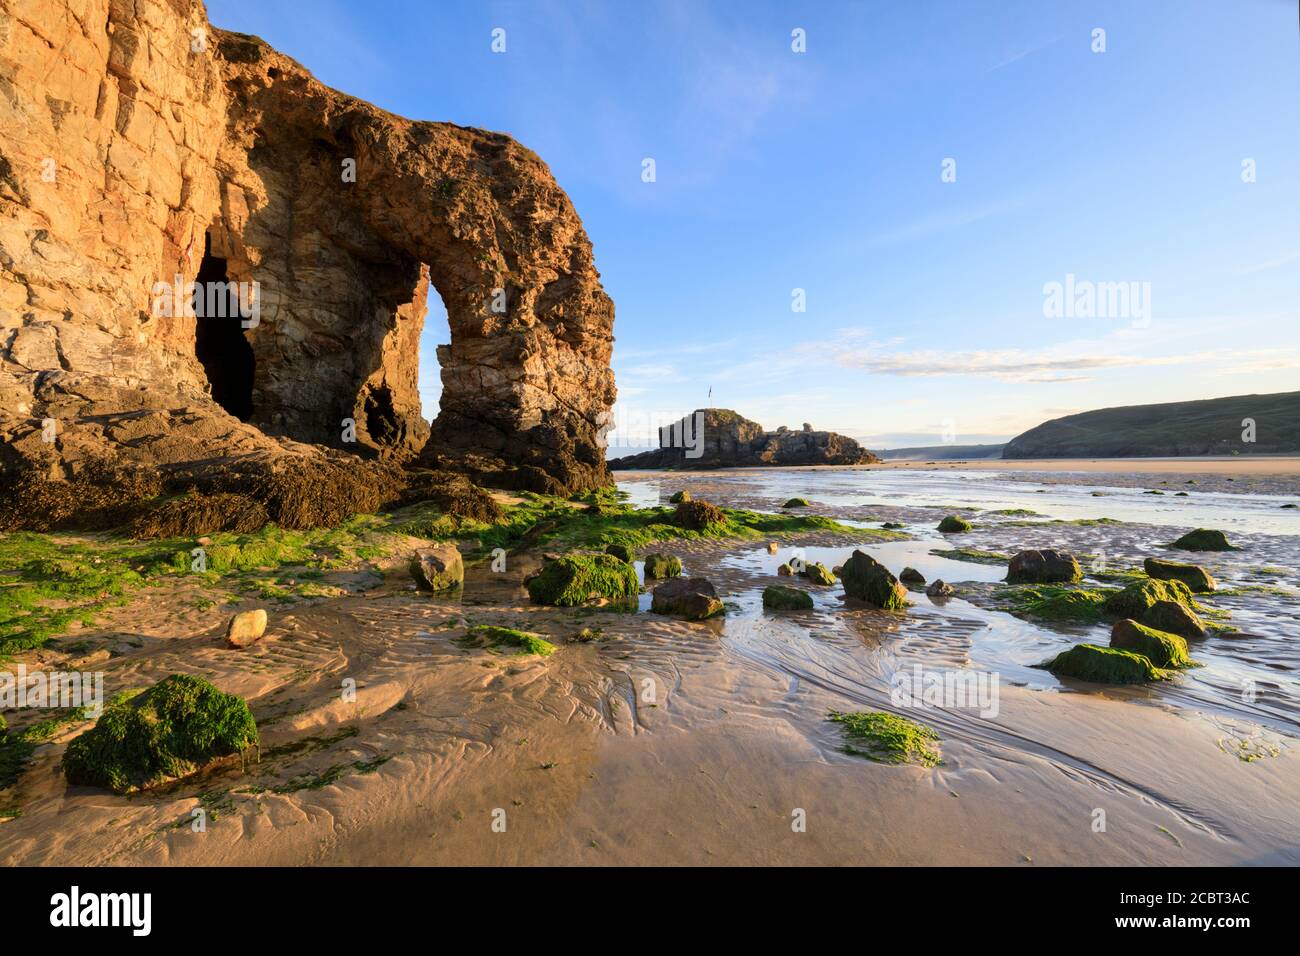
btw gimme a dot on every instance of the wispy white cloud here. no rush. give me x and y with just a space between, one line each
940 223
1023 52
1258 267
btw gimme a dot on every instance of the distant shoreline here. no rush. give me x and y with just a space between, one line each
1190 465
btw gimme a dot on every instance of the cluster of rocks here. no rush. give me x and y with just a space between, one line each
1156 615
721 438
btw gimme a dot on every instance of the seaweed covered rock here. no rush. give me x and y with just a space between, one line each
866 579
1159 647
796 503
940 588
438 568
1043 567
453 494
698 515
246 627
1133 600
1197 579
954 524
170 730
1175 618
662 565
778 597
679 496
196 513
692 598
817 573
578 578
622 552
1204 539
911 576
1104 665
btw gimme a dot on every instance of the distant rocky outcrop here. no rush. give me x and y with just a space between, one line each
721 438
1239 425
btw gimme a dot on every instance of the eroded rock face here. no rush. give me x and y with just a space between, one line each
141 146
721 438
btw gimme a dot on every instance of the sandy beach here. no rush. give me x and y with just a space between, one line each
668 742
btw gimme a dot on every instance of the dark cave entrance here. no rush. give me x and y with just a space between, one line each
219 343
381 418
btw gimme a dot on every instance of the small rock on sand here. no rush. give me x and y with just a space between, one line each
246 628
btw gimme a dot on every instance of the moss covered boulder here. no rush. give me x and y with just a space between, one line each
662 565
578 578
796 503
1044 567
1204 539
170 730
778 597
1134 600
817 573
954 524
1197 579
866 579
691 598
698 515
622 552
679 496
1175 618
438 568
1159 647
1104 665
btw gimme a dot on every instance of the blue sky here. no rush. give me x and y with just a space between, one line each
821 171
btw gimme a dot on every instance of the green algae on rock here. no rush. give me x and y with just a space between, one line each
1197 579
1159 647
1104 665
170 730
662 565
778 597
817 573
1174 618
679 496
866 579
1057 602
577 578
1135 599
1204 539
954 524
526 641
887 738
796 503
622 552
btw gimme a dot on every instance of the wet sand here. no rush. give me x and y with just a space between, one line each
707 743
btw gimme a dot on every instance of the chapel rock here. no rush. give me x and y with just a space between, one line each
721 438
141 148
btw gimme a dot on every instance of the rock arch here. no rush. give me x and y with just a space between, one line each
174 138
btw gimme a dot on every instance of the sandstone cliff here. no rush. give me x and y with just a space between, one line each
141 146
721 438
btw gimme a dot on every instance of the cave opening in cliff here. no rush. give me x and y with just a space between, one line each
219 341
381 417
